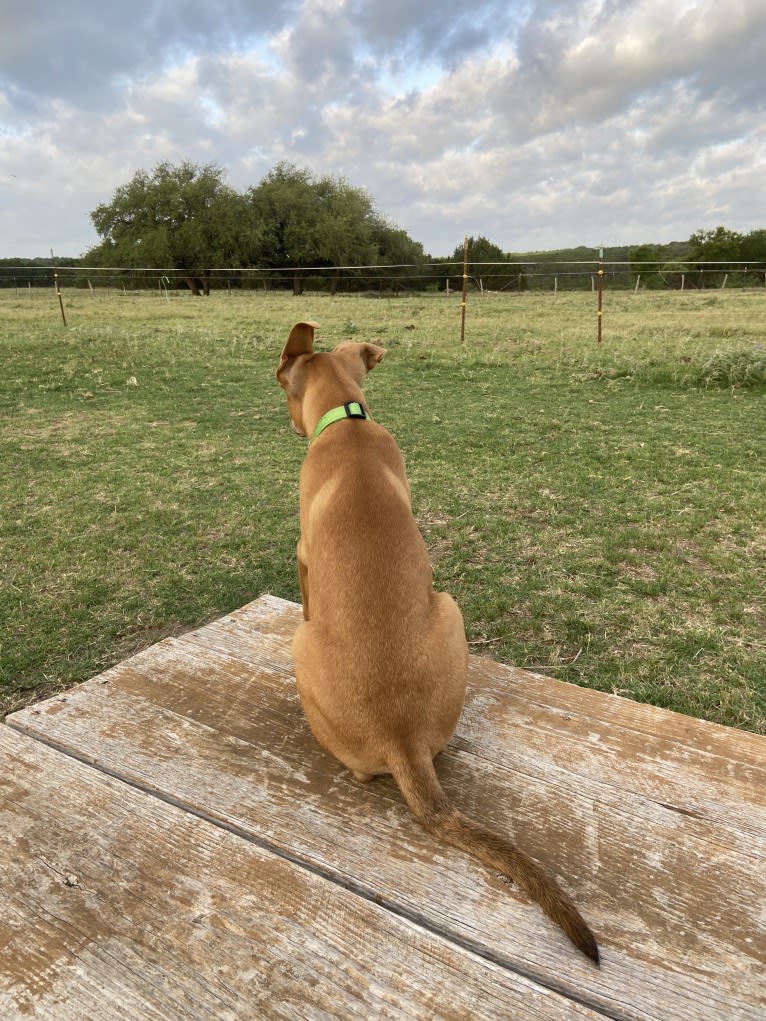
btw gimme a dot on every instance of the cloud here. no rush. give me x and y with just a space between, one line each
83 52
537 124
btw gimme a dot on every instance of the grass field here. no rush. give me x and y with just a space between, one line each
597 512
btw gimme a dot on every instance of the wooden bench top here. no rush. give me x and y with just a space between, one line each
173 844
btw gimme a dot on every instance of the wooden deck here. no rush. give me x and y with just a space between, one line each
173 844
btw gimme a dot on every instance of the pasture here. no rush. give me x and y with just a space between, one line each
597 512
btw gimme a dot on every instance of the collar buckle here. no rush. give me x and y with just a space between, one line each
354 409
351 409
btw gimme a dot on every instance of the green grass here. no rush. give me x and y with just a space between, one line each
597 512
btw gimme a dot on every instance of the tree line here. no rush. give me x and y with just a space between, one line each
296 230
184 217
710 258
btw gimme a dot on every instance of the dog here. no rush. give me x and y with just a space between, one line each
381 659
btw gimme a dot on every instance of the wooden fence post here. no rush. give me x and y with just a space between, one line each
600 312
58 292
465 290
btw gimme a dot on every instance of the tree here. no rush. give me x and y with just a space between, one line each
280 204
180 217
715 246
638 256
674 274
659 266
395 248
184 218
719 245
483 259
307 222
753 251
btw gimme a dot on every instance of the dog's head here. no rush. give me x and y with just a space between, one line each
300 367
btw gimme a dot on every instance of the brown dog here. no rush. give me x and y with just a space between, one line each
381 659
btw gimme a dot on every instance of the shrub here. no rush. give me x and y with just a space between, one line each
743 368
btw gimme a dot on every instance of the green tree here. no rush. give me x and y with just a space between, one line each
678 275
395 248
715 248
640 256
184 218
659 265
481 249
180 217
753 251
345 226
719 245
281 205
319 223
485 264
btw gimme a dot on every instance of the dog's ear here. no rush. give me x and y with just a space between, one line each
359 358
300 342
371 355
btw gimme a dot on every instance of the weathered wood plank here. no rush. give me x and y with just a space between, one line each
117 905
660 839
507 708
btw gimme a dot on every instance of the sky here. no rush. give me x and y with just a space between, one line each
538 125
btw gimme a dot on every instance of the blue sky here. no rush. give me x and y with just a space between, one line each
537 124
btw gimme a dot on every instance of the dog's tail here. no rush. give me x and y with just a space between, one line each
422 791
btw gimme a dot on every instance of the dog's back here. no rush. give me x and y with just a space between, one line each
381 658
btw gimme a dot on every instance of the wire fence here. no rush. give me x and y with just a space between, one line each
439 277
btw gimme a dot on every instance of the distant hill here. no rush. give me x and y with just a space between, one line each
44 260
675 250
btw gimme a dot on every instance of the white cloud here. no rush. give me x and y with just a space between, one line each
536 125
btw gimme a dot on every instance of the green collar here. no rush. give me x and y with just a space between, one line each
351 409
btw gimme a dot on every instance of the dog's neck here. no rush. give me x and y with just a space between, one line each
335 389
351 409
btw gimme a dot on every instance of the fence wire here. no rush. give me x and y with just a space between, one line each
441 276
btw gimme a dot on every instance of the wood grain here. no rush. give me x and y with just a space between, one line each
655 823
117 905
